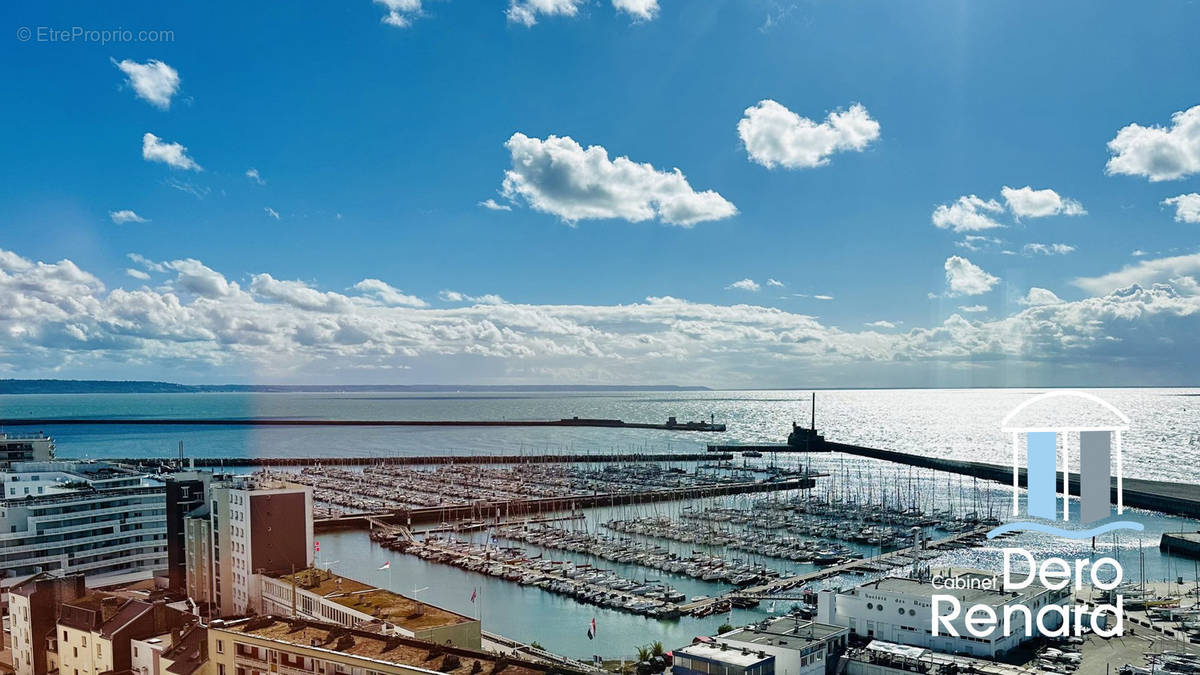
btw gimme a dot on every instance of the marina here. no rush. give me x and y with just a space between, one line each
454 512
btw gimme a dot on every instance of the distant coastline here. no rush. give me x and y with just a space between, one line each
11 387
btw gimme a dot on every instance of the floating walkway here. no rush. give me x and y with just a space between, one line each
878 563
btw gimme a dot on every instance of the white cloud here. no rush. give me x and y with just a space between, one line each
966 278
744 285
136 274
640 10
400 13
388 295
1137 253
880 324
485 299
1187 207
55 317
1037 297
972 309
775 136
197 278
271 212
1029 203
560 177
822 297
525 12
126 216
975 242
1158 153
968 214
494 205
153 81
774 282
1143 273
298 294
1047 249
147 263
171 154
253 175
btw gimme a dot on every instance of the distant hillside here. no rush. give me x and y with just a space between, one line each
151 387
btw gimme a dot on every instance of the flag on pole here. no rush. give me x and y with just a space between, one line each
386 566
592 629
473 592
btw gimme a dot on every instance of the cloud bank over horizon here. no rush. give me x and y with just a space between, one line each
186 320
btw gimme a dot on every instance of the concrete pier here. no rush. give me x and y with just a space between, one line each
487 511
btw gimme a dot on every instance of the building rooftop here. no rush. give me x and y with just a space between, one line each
978 586
903 657
189 652
783 632
366 645
380 603
714 652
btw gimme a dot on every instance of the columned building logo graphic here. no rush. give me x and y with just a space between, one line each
1048 456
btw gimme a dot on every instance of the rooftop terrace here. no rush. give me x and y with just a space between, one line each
380 603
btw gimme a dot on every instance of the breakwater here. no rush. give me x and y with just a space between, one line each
670 425
1163 496
1181 543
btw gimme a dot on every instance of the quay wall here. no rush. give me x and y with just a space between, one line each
209 462
485 510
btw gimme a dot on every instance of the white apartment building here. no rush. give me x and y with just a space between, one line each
249 526
899 610
93 518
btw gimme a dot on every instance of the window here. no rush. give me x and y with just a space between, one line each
220 646
220 669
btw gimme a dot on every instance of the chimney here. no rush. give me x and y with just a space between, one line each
109 606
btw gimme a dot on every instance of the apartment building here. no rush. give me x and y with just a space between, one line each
33 615
95 632
248 526
93 518
25 448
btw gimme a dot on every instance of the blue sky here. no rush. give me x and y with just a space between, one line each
376 143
